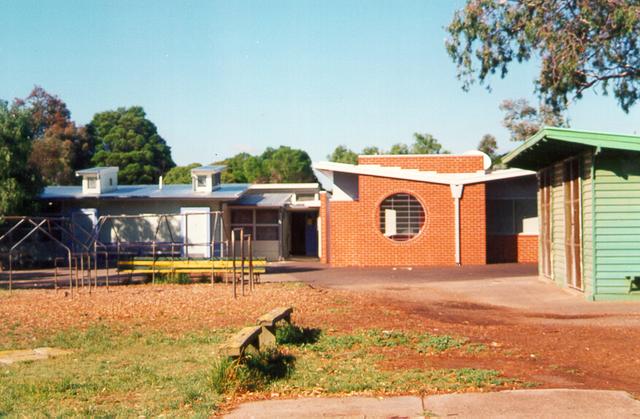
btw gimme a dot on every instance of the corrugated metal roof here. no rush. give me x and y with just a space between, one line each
265 199
229 191
552 144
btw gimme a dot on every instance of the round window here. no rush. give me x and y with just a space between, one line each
401 217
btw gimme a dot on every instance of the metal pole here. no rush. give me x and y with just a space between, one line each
153 262
70 273
242 258
212 261
251 284
106 263
81 271
55 274
233 261
95 262
10 272
186 235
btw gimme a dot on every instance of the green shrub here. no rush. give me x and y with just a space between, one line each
290 334
173 278
253 372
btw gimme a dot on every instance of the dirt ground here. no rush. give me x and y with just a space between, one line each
533 331
539 332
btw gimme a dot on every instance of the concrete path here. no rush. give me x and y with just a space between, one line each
23 355
552 403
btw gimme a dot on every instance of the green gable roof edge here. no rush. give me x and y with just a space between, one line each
588 138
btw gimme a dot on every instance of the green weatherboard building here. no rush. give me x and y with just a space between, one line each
589 209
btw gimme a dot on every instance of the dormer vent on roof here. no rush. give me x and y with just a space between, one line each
206 178
97 180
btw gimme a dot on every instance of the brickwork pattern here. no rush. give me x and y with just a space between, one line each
512 248
437 163
355 238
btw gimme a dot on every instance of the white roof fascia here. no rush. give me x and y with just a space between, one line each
418 175
284 186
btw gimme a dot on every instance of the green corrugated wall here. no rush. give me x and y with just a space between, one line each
557 226
617 223
587 223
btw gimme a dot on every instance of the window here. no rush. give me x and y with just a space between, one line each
262 224
512 216
401 217
267 232
267 217
201 181
92 182
242 217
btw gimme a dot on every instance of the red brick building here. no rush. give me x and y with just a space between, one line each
426 210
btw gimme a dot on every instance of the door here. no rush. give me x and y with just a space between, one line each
196 232
545 222
572 218
311 235
83 222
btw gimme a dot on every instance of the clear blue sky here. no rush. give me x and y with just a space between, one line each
219 77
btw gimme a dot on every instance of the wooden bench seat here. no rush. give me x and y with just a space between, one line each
247 339
268 324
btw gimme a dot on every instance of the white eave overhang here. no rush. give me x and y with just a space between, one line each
329 168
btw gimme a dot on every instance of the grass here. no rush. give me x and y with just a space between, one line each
114 372
344 363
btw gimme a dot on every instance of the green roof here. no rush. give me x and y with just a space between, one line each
552 144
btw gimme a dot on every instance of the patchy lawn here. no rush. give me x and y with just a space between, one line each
151 350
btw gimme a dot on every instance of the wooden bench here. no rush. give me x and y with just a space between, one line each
246 340
268 322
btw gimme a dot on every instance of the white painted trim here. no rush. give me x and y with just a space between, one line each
420 175
284 186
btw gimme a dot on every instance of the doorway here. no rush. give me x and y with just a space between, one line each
196 232
304 233
572 211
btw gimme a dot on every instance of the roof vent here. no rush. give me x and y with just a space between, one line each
206 178
97 180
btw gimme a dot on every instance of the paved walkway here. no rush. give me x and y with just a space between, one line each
554 403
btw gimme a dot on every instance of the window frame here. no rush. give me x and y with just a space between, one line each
254 225
379 211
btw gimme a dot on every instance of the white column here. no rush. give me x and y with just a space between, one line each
456 194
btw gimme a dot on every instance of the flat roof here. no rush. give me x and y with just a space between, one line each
208 169
420 175
225 192
552 144
96 170
264 199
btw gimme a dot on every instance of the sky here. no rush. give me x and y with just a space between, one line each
222 77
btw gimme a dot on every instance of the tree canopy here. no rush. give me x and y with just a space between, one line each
59 146
180 174
274 165
422 144
342 154
489 146
581 44
523 120
20 182
127 139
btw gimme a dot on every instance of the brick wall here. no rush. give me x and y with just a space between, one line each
355 238
522 248
439 163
